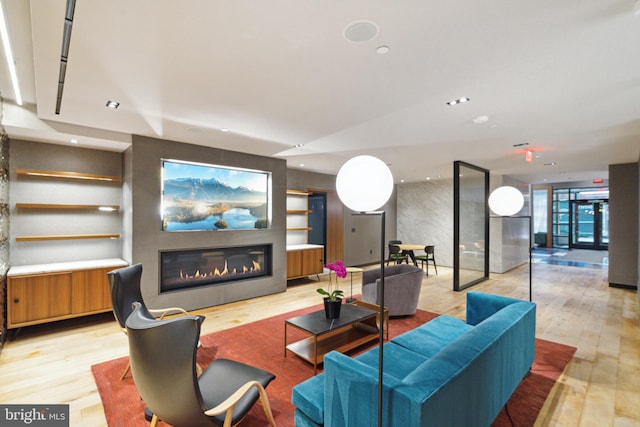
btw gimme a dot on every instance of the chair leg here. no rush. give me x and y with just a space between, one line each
154 421
434 267
266 407
126 371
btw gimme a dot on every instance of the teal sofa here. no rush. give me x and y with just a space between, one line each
446 372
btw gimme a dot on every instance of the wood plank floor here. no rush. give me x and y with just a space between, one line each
601 386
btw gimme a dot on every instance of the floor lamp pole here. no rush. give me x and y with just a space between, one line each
381 337
530 257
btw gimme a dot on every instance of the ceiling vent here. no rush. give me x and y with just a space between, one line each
361 31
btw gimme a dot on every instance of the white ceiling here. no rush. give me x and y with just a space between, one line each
562 76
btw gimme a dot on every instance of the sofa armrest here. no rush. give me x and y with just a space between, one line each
351 392
481 306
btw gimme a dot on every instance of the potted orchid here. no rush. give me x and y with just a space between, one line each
333 295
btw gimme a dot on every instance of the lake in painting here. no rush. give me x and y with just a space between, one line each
235 218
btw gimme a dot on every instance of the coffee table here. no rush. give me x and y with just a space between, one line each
354 327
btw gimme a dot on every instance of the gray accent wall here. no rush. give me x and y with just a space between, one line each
425 216
624 225
147 240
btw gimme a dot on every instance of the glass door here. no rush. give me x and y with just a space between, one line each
589 224
317 219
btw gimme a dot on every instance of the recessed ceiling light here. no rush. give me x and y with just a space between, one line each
224 129
402 180
459 101
381 50
113 104
428 178
301 165
480 120
73 141
298 146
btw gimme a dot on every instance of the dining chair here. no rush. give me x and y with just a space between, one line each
396 255
429 255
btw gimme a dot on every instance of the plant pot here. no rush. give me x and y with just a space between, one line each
332 308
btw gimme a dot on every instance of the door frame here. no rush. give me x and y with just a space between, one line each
597 225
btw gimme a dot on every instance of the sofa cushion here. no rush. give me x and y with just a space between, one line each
431 337
398 361
308 397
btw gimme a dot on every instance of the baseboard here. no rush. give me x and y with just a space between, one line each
623 286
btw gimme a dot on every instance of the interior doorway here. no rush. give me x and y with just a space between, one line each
589 224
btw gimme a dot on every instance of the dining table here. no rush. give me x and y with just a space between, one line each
408 248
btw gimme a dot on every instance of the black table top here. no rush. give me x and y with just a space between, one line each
317 323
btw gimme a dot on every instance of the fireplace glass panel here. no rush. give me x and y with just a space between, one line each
185 269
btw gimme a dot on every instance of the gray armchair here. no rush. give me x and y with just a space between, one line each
402 285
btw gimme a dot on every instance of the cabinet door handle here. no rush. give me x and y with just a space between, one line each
16 300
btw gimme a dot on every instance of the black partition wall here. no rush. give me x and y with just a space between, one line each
470 225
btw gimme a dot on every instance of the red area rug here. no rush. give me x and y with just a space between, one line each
261 344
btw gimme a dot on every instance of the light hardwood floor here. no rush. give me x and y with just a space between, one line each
600 386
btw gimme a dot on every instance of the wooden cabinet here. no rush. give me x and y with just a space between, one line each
305 261
36 299
41 297
90 291
294 264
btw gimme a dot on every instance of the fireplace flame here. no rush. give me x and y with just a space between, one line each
255 267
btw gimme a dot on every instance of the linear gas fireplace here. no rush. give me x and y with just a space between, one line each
191 268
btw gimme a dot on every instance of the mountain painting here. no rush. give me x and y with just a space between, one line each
197 197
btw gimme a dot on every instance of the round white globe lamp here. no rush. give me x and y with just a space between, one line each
506 201
364 183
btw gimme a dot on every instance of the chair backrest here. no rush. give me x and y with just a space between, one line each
395 242
163 364
430 249
125 290
394 250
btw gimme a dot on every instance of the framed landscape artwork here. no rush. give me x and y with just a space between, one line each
198 197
